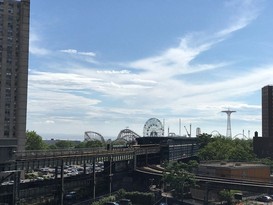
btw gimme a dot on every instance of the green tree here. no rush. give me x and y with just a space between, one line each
81 145
34 141
268 162
52 146
94 143
90 144
64 144
222 148
227 195
179 177
204 139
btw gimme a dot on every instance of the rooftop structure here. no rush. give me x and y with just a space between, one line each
267 111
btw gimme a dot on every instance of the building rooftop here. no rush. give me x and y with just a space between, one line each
232 165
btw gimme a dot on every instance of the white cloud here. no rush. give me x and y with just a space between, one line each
173 61
49 121
87 54
60 92
247 11
178 60
34 47
114 71
156 89
73 51
70 51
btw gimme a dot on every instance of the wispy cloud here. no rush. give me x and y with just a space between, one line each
245 12
173 60
178 60
34 47
151 86
74 51
88 57
114 71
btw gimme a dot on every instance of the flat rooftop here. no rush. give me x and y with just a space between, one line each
232 165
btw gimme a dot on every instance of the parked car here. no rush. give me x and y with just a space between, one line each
111 203
70 196
264 198
125 202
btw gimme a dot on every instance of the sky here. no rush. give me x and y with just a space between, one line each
104 65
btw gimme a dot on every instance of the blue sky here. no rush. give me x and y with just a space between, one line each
104 65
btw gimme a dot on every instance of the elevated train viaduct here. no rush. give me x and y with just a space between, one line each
150 150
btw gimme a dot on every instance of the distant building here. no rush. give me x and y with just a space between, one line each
14 49
267 111
236 170
229 170
263 146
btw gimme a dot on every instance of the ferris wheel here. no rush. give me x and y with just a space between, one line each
153 128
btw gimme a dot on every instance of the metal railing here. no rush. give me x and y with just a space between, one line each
37 154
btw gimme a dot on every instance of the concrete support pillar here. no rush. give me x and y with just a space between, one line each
84 168
16 189
94 178
110 175
62 184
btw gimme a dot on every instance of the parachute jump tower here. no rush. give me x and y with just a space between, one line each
228 112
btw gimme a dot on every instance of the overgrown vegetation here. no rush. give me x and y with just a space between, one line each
136 197
227 196
35 142
103 200
223 148
179 176
227 149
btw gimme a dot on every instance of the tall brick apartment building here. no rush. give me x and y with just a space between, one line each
14 50
263 146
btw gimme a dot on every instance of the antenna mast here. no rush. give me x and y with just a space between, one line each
179 126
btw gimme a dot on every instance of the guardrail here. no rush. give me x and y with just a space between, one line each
58 152
37 154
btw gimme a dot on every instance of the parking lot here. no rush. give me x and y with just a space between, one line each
49 172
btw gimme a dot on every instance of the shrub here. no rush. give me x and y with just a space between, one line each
140 197
135 197
104 200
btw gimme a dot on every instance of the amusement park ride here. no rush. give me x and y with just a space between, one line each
152 128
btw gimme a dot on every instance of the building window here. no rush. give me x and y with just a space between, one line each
10 11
